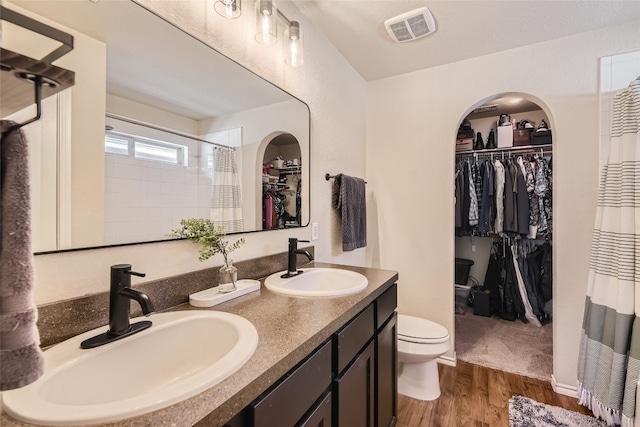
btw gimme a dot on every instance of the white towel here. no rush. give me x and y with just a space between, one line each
21 358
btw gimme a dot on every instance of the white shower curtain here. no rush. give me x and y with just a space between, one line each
226 198
609 362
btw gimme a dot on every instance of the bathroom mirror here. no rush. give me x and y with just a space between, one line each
142 80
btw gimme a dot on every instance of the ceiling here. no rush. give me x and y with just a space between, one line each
464 29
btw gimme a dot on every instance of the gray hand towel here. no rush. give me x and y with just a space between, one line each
21 360
349 197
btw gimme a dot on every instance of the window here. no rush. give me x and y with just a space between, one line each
145 148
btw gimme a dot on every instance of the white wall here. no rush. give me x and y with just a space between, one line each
336 96
80 186
410 162
259 126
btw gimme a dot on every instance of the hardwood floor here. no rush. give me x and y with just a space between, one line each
477 396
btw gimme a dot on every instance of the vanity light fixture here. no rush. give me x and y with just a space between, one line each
266 25
293 49
266 13
228 8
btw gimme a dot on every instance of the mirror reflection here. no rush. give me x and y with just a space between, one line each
158 127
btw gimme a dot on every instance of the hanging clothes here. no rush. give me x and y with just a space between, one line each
476 172
499 183
522 201
487 207
504 197
609 358
473 198
542 208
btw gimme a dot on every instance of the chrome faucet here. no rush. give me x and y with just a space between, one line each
120 309
292 269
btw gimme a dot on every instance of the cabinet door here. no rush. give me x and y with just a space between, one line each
387 375
321 415
290 399
355 391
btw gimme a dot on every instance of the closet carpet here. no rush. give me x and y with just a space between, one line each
515 347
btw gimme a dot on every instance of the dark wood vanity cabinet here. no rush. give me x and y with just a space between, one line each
349 381
387 374
386 365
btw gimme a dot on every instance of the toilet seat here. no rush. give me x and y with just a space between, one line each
420 331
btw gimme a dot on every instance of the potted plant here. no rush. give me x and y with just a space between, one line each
212 241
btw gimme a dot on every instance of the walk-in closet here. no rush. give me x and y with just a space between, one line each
504 236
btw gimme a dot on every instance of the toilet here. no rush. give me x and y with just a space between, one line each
420 343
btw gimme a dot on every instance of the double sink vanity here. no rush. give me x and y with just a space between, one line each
315 349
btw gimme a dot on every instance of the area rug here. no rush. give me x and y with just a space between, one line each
515 347
525 412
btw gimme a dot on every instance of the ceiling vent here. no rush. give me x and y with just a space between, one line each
411 25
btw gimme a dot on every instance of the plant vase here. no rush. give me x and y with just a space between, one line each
227 278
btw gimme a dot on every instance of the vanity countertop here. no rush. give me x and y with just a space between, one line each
289 328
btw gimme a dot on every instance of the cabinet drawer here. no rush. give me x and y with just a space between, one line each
386 304
291 399
353 337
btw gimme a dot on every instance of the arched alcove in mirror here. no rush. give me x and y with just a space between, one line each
281 183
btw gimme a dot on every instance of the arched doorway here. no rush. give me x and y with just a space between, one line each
503 316
281 165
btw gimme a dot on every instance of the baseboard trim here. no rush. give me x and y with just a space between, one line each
564 389
449 361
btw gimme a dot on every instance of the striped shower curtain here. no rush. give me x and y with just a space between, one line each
226 198
609 361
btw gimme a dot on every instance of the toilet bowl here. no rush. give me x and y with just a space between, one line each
420 343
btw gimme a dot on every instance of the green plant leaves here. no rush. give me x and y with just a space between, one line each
211 238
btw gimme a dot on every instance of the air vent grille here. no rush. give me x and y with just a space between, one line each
411 25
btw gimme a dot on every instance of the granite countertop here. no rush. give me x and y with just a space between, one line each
289 328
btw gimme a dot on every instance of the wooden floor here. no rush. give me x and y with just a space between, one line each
474 395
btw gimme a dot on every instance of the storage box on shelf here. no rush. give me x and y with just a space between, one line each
505 136
521 137
541 138
464 144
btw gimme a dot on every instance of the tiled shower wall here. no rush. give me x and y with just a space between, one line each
616 72
145 200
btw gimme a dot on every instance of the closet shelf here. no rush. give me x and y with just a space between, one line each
290 170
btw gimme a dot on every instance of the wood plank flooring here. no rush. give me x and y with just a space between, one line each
477 396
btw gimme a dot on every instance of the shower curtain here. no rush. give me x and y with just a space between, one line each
226 200
609 360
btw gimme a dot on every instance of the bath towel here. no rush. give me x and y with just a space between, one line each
349 198
21 360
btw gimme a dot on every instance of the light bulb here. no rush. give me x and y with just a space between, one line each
228 8
266 27
294 50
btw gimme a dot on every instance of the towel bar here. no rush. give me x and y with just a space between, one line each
328 177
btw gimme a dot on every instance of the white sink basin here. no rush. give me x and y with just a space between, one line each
180 355
317 282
